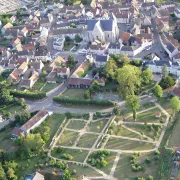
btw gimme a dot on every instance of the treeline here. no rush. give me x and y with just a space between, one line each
76 101
28 94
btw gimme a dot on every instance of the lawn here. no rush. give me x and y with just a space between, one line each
68 138
148 86
13 109
143 129
97 126
54 122
78 155
124 144
124 171
121 131
165 103
174 139
83 171
74 93
148 116
68 45
87 140
75 124
5 140
39 84
49 86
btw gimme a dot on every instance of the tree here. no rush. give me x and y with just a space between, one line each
148 160
116 111
71 62
150 177
33 144
132 102
11 174
164 72
73 25
146 76
167 82
78 38
2 155
128 78
136 62
5 97
175 103
66 175
124 59
2 173
158 92
110 69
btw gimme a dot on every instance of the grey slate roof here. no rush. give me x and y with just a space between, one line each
91 24
101 58
114 46
105 24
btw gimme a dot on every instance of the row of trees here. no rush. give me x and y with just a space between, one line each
28 94
95 87
63 100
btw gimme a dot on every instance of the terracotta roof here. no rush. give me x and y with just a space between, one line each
79 81
8 25
29 124
23 66
62 70
15 75
125 36
34 76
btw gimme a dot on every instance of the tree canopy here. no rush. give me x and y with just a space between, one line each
132 102
128 78
146 76
164 71
158 92
175 103
110 69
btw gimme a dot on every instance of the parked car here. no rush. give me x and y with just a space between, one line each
82 51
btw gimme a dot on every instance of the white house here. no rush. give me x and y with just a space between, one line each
101 60
114 48
58 44
157 66
105 30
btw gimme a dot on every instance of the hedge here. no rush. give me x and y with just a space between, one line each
63 100
28 94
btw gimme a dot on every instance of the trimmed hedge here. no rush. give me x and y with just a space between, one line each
28 94
63 100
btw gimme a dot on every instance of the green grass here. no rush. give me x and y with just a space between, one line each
82 171
174 140
121 131
165 103
68 138
68 45
74 93
149 116
124 171
125 144
13 108
75 124
148 86
97 126
54 122
5 140
87 140
159 2
49 86
143 129
39 84
78 155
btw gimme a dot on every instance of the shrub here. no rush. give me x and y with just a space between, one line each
148 160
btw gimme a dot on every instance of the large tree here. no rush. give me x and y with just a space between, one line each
164 71
2 173
146 76
33 144
132 102
124 59
128 78
175 103
110 69
5 97
158 92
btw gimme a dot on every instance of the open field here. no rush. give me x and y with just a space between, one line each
75 124
121 131
148 116
143 129
67 138
74 93
125 144
54 122
124 171
165 103
87 140
78 155
97 126
174 139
